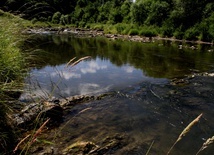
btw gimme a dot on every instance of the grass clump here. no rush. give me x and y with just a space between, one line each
11 59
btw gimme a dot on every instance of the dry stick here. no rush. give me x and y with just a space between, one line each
185 131
206 144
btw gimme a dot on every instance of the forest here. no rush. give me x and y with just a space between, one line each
182 19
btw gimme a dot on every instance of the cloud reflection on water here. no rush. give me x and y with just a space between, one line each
65 74
128 69
92 67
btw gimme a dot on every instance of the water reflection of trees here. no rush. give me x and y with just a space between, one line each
158 59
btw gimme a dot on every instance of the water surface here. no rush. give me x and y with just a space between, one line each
113 64
146 107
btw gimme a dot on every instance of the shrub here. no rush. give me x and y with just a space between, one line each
178 34
133 32
191 34
148 32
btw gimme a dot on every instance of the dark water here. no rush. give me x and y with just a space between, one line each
146 109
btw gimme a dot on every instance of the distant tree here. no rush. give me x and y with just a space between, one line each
139 13
125 11
159 12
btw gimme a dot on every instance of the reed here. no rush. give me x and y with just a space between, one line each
71 63
185 131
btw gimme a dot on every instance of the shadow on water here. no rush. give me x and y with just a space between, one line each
146 108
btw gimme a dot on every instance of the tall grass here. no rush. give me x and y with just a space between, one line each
11 73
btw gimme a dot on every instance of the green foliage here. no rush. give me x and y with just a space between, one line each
56 18
11 73
191 34
133 32
125 11
172 17
139 13
178 33
148 32
120 27
206 28
158 13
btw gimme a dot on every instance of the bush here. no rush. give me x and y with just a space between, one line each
133 32
191 34
178 34
148 32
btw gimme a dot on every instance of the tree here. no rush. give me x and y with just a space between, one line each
159 12
139 13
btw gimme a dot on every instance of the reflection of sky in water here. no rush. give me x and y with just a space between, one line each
91 76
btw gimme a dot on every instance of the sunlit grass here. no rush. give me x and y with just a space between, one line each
11 58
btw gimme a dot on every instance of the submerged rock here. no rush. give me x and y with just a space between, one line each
108 146
50 109
35 111
79 148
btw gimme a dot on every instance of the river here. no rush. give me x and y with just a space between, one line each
155 98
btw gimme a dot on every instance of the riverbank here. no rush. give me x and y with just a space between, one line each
82 32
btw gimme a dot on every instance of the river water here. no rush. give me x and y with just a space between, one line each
147 109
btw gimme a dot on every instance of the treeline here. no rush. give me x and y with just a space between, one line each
183 19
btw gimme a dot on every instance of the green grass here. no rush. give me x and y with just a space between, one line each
11 58
148 31
12 64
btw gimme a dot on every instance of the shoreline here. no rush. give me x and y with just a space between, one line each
94 33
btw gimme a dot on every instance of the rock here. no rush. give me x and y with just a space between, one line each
37 110
80 148
50 109
108 146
